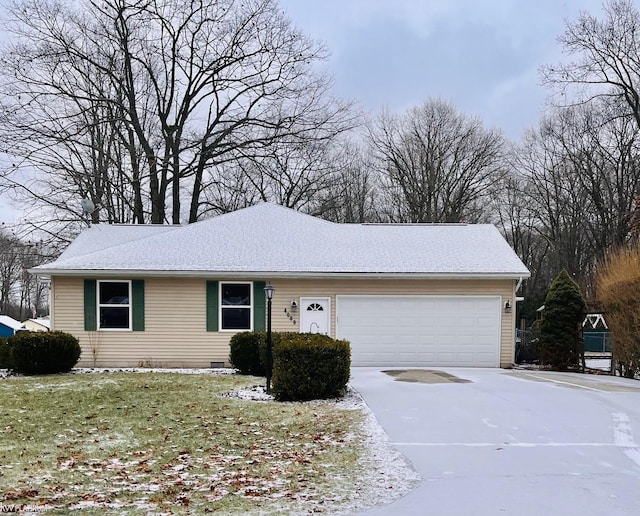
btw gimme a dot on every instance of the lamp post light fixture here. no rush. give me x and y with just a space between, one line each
268 291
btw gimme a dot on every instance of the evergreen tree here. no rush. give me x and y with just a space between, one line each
560 343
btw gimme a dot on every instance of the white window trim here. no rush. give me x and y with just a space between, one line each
98 305
249 306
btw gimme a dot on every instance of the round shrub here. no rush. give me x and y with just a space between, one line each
4 354
310 366
276 337
43 352
244 353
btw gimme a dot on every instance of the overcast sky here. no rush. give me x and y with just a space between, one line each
482 55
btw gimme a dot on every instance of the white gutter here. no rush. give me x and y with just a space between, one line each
112 273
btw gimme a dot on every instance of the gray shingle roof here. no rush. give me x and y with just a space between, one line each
271 238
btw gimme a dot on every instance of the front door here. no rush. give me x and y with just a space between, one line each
315 314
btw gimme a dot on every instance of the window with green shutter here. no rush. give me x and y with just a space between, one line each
114 305
90 310
259 306
212 305
137 305
235 305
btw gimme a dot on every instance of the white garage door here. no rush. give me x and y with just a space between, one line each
420 330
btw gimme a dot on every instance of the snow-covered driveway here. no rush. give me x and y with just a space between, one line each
512 442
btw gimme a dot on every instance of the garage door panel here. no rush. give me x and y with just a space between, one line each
421 330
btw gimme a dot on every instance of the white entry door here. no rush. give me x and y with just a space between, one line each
315 313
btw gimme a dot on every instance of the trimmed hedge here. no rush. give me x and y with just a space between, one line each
34 352
306 366
4 354
309 366
248 350
276 337
245 351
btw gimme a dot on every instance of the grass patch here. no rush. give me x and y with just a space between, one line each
163 442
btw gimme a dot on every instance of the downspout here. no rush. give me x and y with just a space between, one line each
520 280
516 299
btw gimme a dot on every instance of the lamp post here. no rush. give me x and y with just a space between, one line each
268 291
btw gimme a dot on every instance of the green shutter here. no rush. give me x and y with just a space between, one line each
212 306
137 305
259 302
90 316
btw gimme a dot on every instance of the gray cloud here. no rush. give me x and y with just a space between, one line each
481 55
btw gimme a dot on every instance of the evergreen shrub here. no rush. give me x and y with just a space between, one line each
309 366
560 342
34 352
276 337
245 350
4 354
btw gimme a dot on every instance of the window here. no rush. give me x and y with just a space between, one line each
235 306
114 306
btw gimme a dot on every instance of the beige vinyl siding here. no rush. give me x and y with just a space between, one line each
175 317
288 290
175 327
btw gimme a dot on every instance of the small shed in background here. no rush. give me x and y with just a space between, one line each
40 324
8 326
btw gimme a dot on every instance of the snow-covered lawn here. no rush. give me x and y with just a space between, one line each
192 439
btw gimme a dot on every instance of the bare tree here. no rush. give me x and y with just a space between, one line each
352 194
21 295
437 165
290 174
9 269
325 178
557 206
607 58
516 218
603 150
230 190
595 138
141 104
64 125
580 172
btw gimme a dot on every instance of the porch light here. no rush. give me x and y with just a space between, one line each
268 291
507 307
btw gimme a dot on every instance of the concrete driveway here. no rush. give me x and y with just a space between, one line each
511 442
